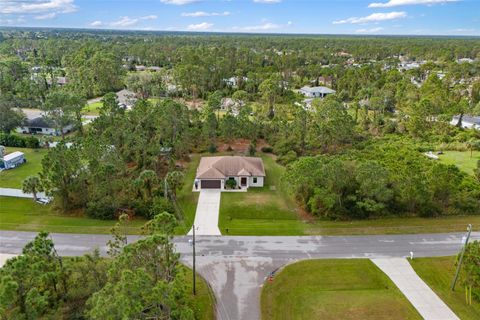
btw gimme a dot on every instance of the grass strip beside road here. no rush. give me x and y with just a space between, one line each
334 289
438 274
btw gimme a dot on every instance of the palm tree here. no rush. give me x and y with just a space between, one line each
149 181
32 185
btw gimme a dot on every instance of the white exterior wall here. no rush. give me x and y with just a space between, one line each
258 184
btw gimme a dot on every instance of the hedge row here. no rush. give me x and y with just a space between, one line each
12 140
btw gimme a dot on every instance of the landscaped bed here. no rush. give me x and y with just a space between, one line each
13 178
333 289
438 274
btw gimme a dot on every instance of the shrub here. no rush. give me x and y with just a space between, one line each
12 140
287 158
212 148
160 205
102 208
267 149
231 183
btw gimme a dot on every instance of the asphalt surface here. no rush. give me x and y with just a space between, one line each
236 267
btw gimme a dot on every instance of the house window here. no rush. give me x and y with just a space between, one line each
254 179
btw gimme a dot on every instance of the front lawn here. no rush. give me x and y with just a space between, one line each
92 109
13 178
27 215
462 159
438 274
333 289
262 211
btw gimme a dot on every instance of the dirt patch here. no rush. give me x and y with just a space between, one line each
304 215
240 146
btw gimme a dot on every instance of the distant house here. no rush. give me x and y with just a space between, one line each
140 68
213 172
60 81
12 160
228 104
39 125
235 81
465 60
126 99
468 122
316 92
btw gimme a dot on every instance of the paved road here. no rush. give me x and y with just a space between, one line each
18 193
427 303
208 211
236 267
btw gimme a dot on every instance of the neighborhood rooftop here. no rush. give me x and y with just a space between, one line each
320 89
223 167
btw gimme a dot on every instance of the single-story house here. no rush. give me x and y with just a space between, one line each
12 160
228 104
213 172
316 92
235 81
126 99
38 125
468 122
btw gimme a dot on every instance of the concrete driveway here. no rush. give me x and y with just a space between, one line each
208 210
18 193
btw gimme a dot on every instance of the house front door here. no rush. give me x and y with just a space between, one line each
243 182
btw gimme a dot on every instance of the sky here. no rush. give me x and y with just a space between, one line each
390 17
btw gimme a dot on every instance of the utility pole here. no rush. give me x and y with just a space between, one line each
194 271
454 282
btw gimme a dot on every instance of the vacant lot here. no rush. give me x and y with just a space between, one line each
438 274
465 160
13 178
334 289
27 215
187 199
271 211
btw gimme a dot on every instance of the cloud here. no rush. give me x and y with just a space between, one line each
96 23
371 30
374 17
397 3
205 14
46 16
267 1
123 22
200 26
36 6
178 2
266 26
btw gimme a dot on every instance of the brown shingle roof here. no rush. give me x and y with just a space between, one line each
222 167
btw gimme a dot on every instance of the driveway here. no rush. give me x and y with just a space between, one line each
18 193
208 210
427 303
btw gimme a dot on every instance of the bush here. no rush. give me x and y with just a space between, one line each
231 183
267 149
287 158
212 148
160 205
103 209
12 140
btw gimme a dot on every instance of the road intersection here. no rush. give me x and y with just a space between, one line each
236 266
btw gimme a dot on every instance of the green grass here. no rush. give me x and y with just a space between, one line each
333 289
204 300
262 211
92 109
438 274
26 215
265 211
187 199
462 159
13 178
